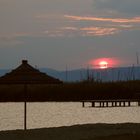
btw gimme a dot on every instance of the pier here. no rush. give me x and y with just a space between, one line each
111 103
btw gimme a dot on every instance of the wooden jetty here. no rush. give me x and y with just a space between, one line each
112 103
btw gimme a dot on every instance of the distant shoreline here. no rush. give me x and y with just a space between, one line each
129 131
70 91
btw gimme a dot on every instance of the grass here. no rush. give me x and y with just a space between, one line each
71 91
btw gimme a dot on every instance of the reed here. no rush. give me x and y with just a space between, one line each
84 90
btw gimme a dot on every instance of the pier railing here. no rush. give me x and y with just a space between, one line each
112 103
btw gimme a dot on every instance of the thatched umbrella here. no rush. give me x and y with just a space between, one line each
26 74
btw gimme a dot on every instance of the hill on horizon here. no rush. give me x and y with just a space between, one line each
105 75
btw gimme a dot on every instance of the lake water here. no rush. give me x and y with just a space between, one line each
53 114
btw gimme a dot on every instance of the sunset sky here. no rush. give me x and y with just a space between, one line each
69 33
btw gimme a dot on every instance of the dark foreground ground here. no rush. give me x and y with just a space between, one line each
78 132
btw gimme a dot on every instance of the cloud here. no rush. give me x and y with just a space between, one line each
100 26
127 7
114 20
15 39
53 33
70 28
84 31
99 31
9 41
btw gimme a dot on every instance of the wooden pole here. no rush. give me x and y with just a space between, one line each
112 104
120 103
106 104
116 104
83 104
93 104
25 115
129 103
100 104
124 103
25 107
103 104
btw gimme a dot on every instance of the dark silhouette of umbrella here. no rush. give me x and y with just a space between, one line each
26 74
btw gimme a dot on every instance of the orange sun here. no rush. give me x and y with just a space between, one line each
103 64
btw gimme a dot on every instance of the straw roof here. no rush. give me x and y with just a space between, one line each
25 73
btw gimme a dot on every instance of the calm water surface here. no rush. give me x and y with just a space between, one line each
62 114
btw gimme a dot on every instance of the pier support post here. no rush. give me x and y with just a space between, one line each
112 104
93 104
123 103
83 104
120 104
103 104
100 104
106 104
139 103
129 103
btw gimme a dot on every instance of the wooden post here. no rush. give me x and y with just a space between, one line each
112 104
116 104
120 103
100 104
129 103
124 103
25 115
93 104
83 104
106 104
25 106
103 104
139 103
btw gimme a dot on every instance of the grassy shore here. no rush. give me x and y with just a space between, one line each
127 131
70 91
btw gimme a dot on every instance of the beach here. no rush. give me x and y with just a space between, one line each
124 131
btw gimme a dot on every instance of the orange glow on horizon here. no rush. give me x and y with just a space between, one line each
103 63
